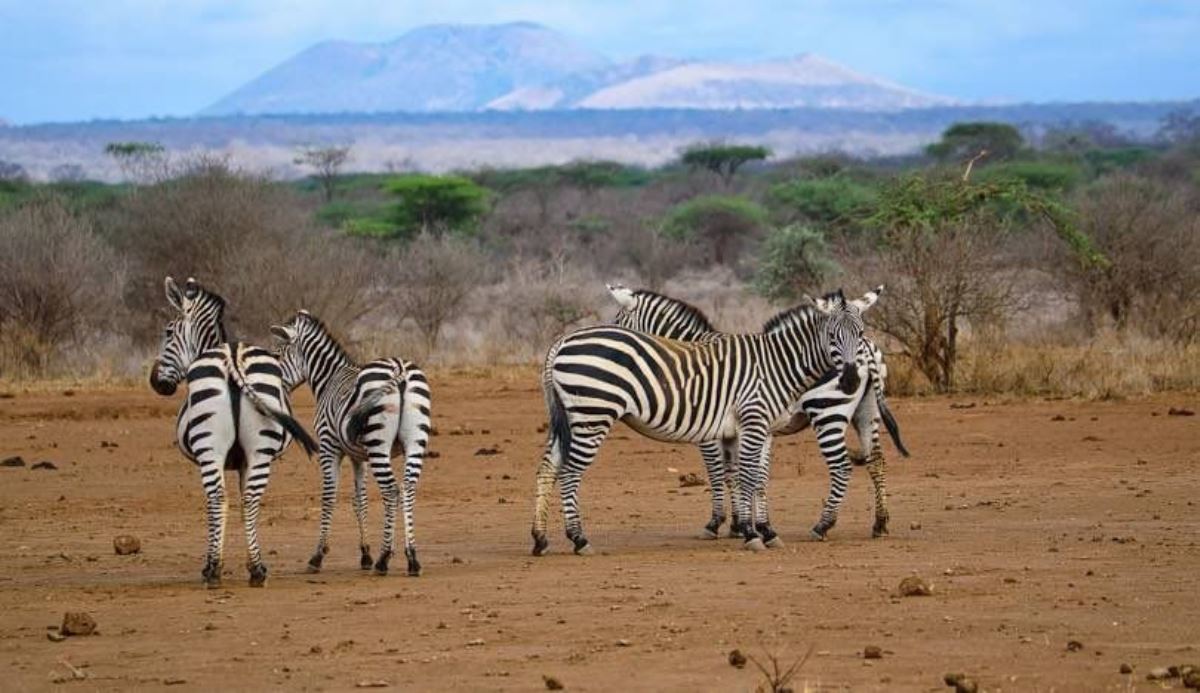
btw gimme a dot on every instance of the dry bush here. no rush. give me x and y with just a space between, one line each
539 300
434 276
1150 233
249 240
59 286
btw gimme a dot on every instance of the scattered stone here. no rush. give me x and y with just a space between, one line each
45 464
68 393
914 525
372 683
502 500
872 652
1091 439
543 428
1058 417
552 684
484 452
690 479
913 586
1158 674
737 659
78 623
174 681
961 683
55 636
1191 679
957 405
456 560
108 444
1126 669
432 455
126 544
477 642
1180 412
14 461
1074 646
624 643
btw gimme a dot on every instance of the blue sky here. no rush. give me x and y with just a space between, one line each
76 59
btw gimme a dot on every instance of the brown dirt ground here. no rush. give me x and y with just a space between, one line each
1033 531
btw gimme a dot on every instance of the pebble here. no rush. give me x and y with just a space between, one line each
872 652
913 586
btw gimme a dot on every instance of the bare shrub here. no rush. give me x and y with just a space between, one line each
539 300
434 278
249 240
1150 233
59 284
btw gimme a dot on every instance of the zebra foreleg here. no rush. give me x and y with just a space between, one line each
752 436
330 461
360 513
254 484
714 465
831 437
762 519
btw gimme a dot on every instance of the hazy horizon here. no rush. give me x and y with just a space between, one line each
71 60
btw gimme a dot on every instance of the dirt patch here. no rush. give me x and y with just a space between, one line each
1031 539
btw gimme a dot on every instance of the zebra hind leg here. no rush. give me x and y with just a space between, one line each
381 468
714 465
330 463
585 443
360 513
254 485
877 468
213 474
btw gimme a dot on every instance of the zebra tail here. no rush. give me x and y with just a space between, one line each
560 425
360 414
893 428
289 423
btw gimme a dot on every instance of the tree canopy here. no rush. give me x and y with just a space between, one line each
724 160
435 204
963 141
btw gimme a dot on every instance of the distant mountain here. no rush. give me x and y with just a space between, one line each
527 67
439 67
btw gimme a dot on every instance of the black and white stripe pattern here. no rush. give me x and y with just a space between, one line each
731 389
366 413
661 315
236 414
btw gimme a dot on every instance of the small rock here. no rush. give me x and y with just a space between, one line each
78 623
914 526
1074 646
14 461
737 659
552 684
1191 679
432 455
690 479
484 452
624 643
126 544
958 405
456 560
1126 669
1058 417
872 652
961 683
55 636
477 642
1158 674
45 464
1180 412
174 681
913 586
372 683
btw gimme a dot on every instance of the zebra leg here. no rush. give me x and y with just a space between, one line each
212 475
714 465
762 520
737 523
753 435
585 443
412 474
360 512
254 480
380 458
866 424
831 437
547 475
330 463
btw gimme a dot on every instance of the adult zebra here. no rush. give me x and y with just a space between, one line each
731 389
363 412
648 311
236 414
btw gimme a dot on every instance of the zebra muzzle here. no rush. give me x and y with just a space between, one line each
849 380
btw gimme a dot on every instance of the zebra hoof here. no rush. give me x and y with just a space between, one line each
540 544
582 546
258 575
381 565
774 542
880 532
414 566
707 533
364 560
211 575
314 563
816 535
755 544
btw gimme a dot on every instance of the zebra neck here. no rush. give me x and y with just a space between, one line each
325 359
801 352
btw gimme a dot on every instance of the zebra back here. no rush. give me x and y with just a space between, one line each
662 316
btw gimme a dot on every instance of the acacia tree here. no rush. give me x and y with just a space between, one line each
961 141
434 204
140 162
326 163
942 249
723 160
721 222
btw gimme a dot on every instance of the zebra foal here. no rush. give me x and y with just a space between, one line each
731 390
236 414
648 311
365 412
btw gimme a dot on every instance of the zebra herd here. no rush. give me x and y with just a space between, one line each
660 367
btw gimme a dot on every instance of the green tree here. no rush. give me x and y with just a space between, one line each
963 141
827 201
140 162
723 160
794 260
434 204
721 221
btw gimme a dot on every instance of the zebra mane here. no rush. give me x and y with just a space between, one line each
690 311
194 291
327 334
796 315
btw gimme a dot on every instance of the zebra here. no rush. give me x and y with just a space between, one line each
648 311
731 389
236 414
364 412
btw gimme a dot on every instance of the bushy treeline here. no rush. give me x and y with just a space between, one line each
992 231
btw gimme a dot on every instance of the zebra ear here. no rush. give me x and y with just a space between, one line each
622 295
174 294
821 303
868 299
283 333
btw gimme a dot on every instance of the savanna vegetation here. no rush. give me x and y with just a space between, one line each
1061 261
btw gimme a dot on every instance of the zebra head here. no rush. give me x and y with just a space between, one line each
308 351
199 326
844 330
654 313
290 352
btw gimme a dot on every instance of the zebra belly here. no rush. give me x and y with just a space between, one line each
723 429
